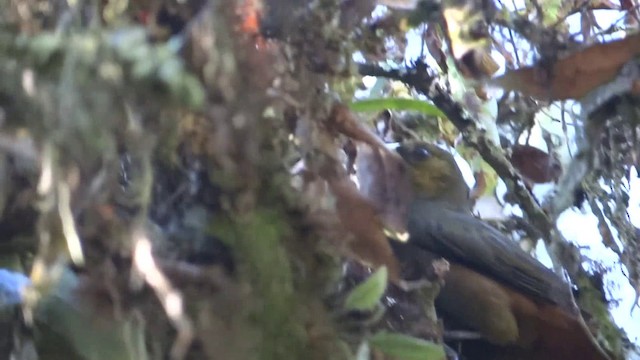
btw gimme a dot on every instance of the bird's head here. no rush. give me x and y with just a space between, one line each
434 173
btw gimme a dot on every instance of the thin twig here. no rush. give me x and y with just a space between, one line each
170 297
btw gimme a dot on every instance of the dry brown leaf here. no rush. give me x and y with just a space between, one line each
361 219
576 75
480 187
345 122
604 5
384 182
535 165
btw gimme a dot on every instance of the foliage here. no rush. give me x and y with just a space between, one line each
367 295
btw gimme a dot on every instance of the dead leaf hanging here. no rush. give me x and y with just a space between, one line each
574 76
359 217
535 165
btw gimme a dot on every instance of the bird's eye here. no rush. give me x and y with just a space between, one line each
421 153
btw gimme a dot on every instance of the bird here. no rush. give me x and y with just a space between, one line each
520 308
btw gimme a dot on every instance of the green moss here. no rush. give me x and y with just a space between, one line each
257 242
608 332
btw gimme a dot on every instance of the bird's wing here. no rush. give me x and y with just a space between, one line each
462 238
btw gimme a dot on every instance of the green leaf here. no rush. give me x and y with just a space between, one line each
193 94
367 295
405 347
552 11
127 41
373 105
171 71
44 46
